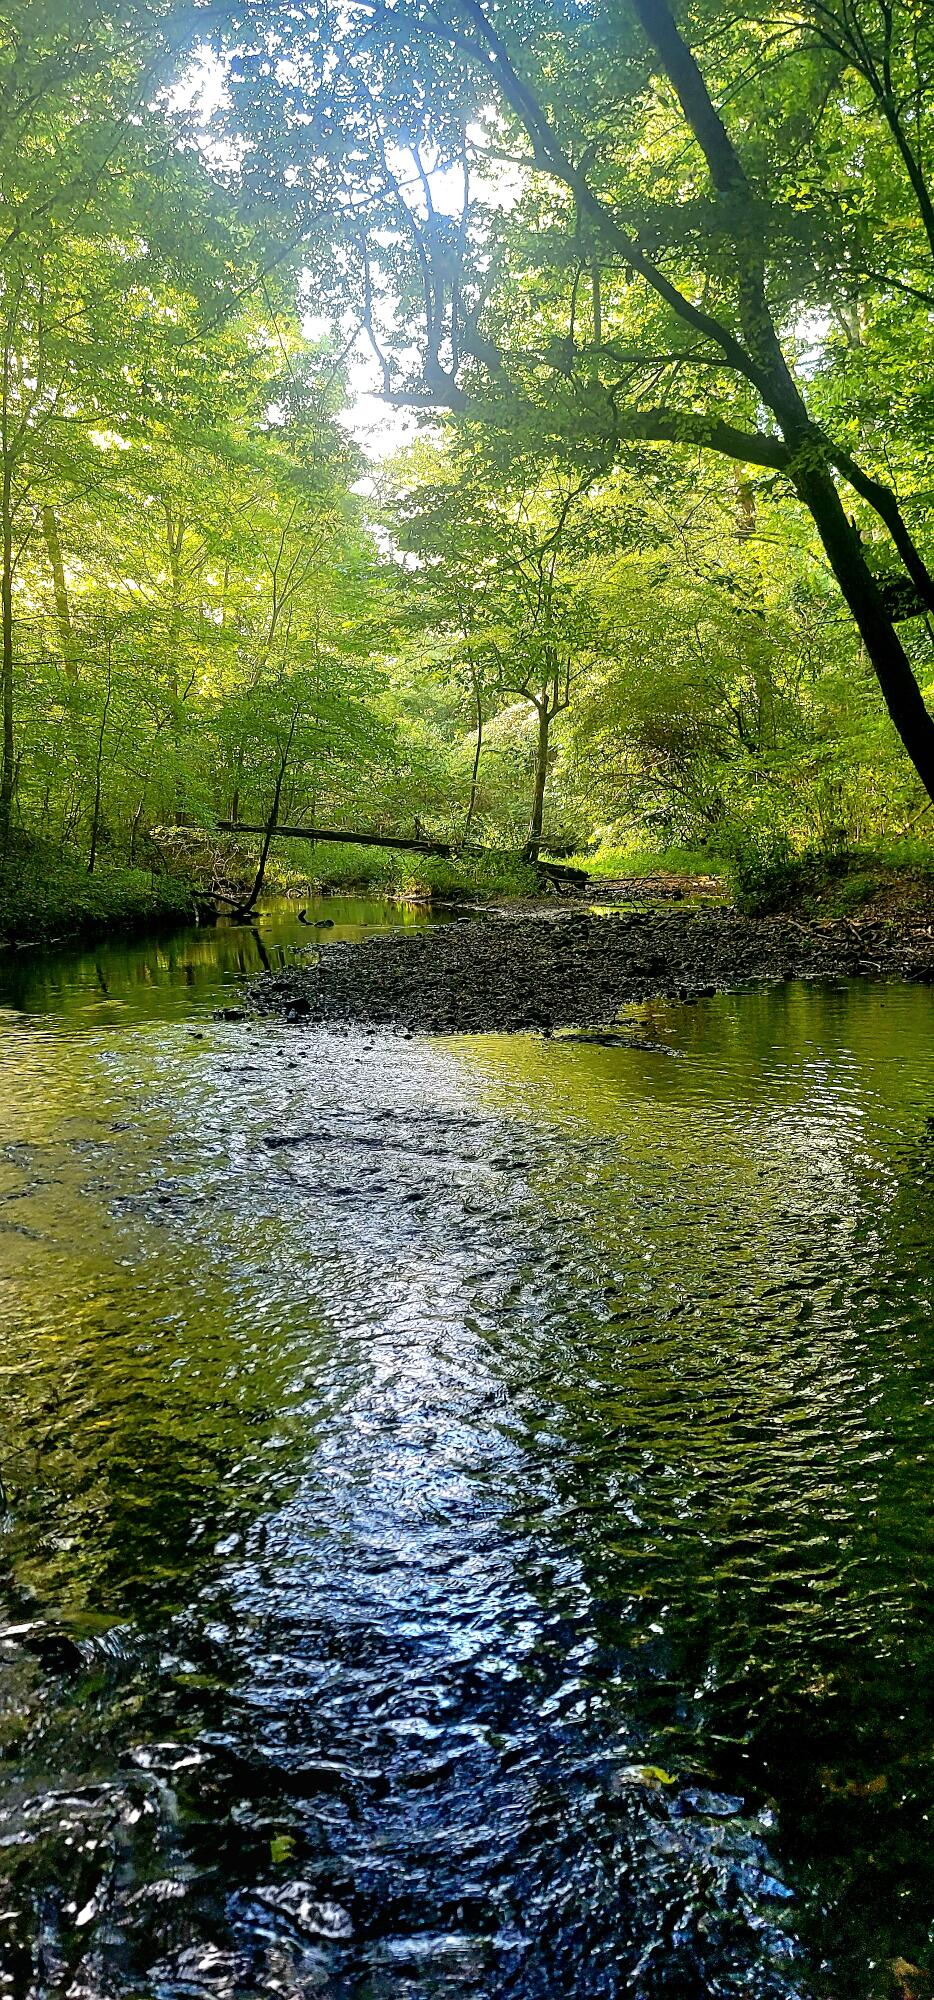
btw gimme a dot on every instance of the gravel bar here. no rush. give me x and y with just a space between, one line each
506 970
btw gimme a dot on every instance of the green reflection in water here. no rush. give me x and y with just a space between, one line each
582 1395
737 1400
169 977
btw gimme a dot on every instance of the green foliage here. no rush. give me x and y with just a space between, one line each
853 892
46 897
588 600
737 259
766 875
475 878
617 863
328 865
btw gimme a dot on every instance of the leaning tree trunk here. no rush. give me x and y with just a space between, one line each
892 667
244 909
475 771
760 357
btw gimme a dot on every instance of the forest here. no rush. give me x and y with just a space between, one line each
466 974
513 427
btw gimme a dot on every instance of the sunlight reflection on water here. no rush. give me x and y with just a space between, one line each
468 1526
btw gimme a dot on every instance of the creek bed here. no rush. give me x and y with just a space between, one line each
515 969
467 1519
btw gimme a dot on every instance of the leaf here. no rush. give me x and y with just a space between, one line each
652 1776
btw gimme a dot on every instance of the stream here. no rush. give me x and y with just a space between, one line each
466 1522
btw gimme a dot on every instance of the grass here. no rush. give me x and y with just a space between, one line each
46 896
330 866
616 863
390 872
500 875
895 879
900 854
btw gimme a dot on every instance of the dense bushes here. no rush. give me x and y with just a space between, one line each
46 897
766 876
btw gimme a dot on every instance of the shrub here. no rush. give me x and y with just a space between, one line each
479 876
766 874
853 891
45 895
619 863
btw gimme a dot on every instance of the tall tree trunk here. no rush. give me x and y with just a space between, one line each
890 662
175 538
534 841
745 507
911 160
271 824
235 794
776 384
755 352
8 756
62 612
98 771
134 831
478 746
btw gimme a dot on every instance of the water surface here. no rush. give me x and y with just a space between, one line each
467 1510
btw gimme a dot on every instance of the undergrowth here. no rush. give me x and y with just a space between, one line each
391 872
616 863
46 896
767 875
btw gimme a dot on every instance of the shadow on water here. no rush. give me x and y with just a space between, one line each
468 1526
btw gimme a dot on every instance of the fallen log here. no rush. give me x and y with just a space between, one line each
558 871
411 844
552 871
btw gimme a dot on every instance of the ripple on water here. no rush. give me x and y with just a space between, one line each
467 1519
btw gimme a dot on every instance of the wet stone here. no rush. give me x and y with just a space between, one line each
535 972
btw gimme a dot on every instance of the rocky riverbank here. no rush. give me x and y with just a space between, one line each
503 970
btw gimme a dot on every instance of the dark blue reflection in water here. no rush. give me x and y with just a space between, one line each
468 1523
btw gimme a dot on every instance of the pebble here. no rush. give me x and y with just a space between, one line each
533 971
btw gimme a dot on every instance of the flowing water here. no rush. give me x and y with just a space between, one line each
467 1520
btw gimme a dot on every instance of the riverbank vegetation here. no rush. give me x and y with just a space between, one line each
646 567
48 898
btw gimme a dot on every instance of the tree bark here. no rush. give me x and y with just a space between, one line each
912 165
62 612
810 454
405 843
175 538
472 801
534 840
270 828
757 355
98 772
137 816
893 669
8 757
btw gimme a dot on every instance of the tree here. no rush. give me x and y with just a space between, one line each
502 539
662 304
125 342
74 119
